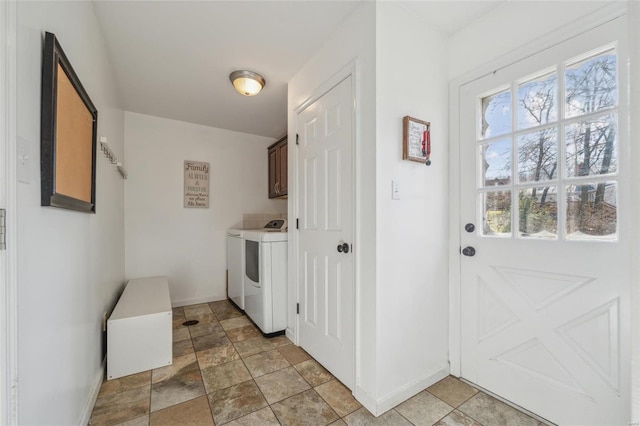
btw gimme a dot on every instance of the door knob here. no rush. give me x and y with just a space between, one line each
469 251
469 227
343 248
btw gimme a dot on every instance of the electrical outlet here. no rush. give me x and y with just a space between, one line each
104 321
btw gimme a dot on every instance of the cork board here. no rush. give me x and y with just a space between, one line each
68 134
74 130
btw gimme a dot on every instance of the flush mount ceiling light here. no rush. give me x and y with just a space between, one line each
247 83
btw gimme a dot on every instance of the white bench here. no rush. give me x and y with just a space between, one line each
139 329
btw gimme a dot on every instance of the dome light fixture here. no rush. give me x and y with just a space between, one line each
247 83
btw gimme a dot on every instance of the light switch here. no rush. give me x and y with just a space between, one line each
395 190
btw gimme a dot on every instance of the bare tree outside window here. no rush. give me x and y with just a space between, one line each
591 87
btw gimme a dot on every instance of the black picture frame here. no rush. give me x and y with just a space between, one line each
67 136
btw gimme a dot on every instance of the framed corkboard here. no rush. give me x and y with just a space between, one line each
415 134
68 134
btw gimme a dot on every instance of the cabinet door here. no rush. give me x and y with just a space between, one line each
282 166
273 171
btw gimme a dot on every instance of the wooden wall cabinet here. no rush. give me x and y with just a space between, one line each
277 154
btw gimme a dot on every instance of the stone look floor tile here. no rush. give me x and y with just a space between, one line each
210 341
243 333
281 384
204 319
264 417
197 310
452 391
180 385
178 366
183 347
278 341
456 418
306 408
223 367
191 413
294 354
216 356
205 329
265 362
110 387
339 397
253 346
225 310
423 409
239 400
232 323
225 375
177 322
181 334
138 421
363 417
120 407
490 411
313 372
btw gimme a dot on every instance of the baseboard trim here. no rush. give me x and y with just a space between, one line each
366 400
380 406
290 335
93 394
187 302
402 394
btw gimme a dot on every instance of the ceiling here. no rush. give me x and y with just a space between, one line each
172 59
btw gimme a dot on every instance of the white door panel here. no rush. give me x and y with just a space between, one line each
327 295
545 298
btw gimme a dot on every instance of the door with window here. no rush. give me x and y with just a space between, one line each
544 233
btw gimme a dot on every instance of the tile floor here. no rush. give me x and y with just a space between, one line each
225 372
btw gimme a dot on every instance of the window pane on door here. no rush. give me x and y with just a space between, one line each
496 213
538 156
537 101
538 212
496 115
592 211
496 163
591 147
591 85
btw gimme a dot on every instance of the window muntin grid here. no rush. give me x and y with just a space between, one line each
558 166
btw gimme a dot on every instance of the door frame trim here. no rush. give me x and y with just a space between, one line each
581 25
351 69
8 276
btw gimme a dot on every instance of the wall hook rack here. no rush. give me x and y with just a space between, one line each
104 147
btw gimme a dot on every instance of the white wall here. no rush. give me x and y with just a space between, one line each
412 239
70 264
401 246
355 39
189 245
501 30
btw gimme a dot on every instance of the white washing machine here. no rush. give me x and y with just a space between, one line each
265 278
235 266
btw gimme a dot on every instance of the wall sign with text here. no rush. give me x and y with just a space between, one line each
196 184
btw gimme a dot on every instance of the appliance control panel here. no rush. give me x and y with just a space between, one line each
276 225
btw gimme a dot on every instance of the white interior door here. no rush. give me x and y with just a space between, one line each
325 209
545 183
